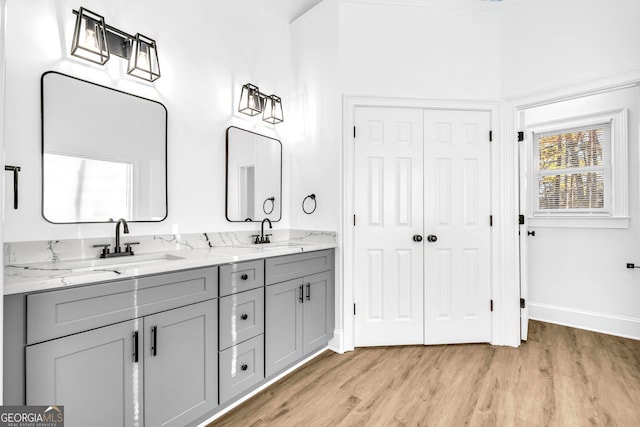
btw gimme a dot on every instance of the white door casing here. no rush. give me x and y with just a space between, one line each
457 212
389 212
523 172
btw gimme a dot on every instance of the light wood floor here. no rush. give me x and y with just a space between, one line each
560 377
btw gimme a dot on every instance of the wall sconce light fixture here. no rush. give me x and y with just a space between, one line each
253 102
95 41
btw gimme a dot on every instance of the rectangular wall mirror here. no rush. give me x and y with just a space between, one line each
104 153
254 176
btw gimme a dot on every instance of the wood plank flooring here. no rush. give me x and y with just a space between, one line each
560 377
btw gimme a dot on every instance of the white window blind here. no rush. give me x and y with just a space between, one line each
573 170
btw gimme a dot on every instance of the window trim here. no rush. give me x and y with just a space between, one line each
616 214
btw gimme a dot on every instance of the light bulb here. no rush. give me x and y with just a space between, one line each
90 39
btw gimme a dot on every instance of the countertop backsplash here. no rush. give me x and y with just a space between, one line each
58 250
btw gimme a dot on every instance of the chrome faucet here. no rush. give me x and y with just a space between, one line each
261 238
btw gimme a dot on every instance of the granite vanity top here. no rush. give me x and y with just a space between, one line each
20 278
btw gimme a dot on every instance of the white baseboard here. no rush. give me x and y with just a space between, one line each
627 327
337 344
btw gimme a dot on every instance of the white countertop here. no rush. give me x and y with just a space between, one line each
22 278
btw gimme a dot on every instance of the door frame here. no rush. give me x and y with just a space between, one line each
505 287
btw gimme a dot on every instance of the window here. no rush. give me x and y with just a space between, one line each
578 171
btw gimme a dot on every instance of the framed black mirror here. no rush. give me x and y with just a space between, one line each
254 176
104 153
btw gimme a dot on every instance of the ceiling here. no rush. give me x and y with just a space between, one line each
292 9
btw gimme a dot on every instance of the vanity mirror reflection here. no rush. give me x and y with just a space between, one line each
104 153
254 176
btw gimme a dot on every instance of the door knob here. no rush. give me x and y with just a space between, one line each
417 238
432 238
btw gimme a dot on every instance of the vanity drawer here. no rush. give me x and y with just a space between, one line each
58 313
241 277
241 367
281 269
241 317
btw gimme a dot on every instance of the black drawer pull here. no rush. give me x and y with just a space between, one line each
244 276
135 347
154 340
301 293
244 317
244 367
308 291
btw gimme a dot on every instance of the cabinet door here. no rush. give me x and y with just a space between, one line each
93 374
283 325
318 311
181 364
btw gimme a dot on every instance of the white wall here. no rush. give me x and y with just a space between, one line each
547 44
3 16
317 137
207 50
421 49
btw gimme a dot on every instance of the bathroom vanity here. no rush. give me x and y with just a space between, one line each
171 348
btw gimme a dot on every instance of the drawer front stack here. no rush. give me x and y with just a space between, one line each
241 333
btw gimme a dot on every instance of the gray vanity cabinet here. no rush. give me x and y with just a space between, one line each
155 367
283 325
299 313
92 374
318 309
180 364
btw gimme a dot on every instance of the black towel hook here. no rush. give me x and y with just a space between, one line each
15 170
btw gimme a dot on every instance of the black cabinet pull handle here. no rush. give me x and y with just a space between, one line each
531 233
244 317
308 291
135 347
301 294
244 277
154 340
432 238
244 367
417 238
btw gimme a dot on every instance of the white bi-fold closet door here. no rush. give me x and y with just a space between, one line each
422 234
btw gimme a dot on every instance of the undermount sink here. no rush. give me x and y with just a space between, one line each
125 262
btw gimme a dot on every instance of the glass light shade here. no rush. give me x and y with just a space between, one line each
143 58
89 37
250 100
273 110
